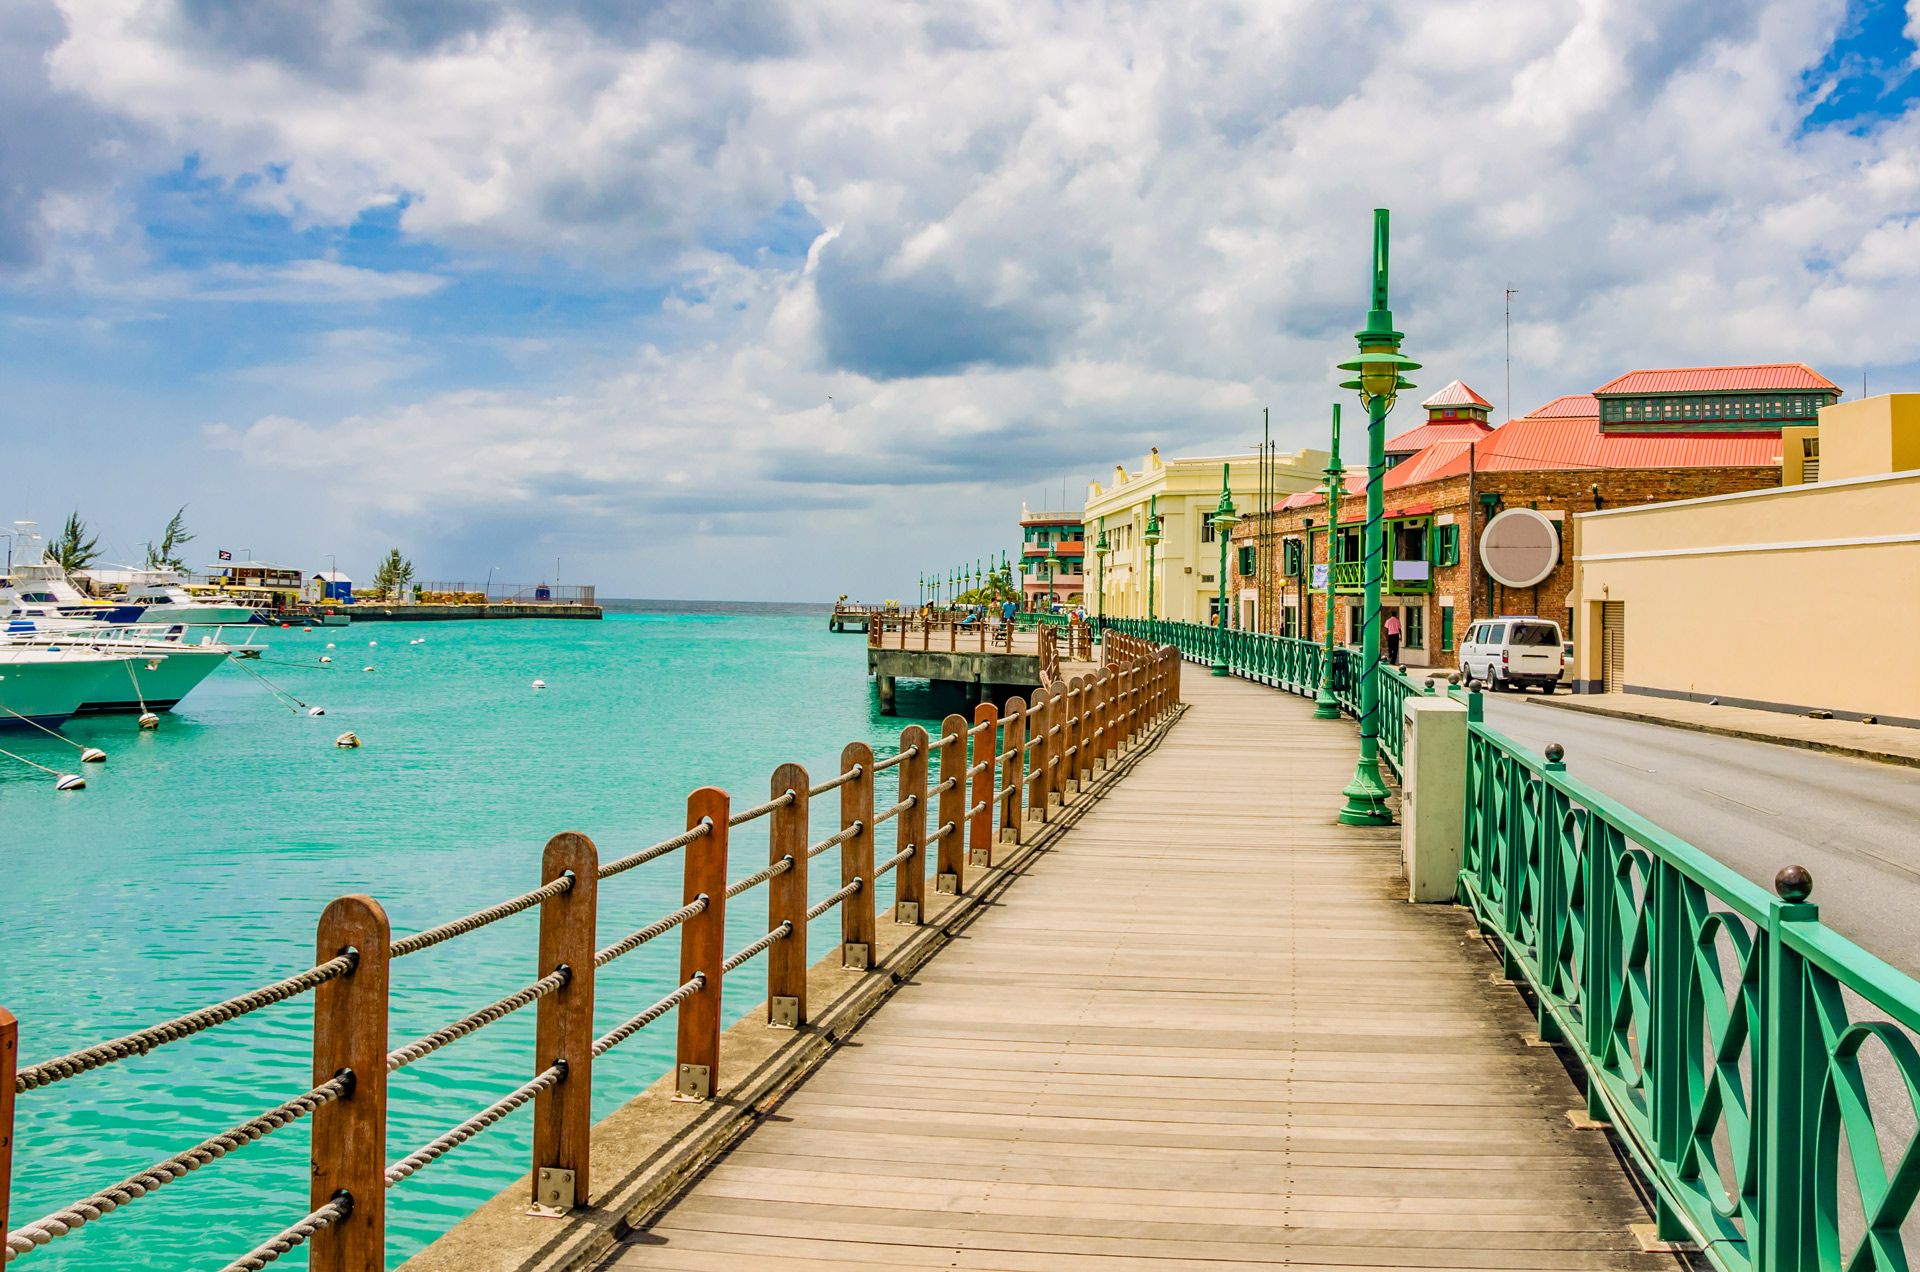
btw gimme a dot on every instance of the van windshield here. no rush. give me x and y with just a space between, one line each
1535 634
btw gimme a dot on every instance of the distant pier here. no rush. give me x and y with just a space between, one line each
363 612
980 662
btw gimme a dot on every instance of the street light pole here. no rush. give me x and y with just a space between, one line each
1100 550
1152 539
1325 705
1224 520
1378 380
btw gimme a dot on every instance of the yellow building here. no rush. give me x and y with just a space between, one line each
1797 598
1186 563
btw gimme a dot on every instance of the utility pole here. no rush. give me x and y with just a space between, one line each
1511 293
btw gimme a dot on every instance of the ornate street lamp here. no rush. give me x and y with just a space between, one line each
1053 572
1378 380
1100 550
1025 567
1152 539
1224 520
1325 705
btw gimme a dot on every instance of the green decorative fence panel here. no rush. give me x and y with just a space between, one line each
1723 1030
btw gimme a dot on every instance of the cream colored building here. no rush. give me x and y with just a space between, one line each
1187 561
1797 598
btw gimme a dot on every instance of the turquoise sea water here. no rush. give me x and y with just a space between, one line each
197 861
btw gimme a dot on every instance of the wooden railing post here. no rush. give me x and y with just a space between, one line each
787 900
703 940
349 1142
1013 769
9 1067
980 799
856 857
949 871
563 1113
910 876
1039 716
1089 728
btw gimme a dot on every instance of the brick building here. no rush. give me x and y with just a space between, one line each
1645 437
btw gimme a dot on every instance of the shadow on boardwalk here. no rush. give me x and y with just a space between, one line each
1204 1031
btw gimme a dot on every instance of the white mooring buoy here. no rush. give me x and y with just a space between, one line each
367 668
329 644
349 740
93 755
70 782
539 684
373 644
148 720
324 659
316 711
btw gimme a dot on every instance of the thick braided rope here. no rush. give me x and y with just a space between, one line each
477 1123
142 1041
896 810
880 766
58 1224
614 1037
766 942
822 907
833 783
498 1010
660 849
659 927
896 859
759 877
942 788
288 1238
478 919
945 830
761 810
814 850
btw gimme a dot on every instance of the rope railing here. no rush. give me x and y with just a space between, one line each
656 851
141 1041
634 1024
746 815
453 1138
659 927
478 919
350 1137
293 1236
29 1237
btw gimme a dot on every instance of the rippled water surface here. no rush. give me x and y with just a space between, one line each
196 862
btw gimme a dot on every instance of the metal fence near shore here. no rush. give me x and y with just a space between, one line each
996 773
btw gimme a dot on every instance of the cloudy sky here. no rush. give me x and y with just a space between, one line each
776 300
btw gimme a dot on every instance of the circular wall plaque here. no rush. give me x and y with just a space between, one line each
1520 547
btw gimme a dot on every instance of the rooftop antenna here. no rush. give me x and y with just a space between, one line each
1511 293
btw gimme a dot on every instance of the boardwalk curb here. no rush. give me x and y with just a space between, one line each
650 1149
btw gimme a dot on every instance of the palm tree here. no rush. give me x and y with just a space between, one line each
75 549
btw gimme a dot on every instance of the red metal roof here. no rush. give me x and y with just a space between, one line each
1353 481
1543 443
1568 405
1762 376
1457 394
1439 431
1430 462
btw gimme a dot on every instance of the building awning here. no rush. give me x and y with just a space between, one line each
1412 510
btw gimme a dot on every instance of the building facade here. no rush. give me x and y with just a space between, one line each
1459 494
1737 597
1056 536
1179 577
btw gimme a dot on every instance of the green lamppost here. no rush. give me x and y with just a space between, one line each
1152 539
1053 572
1100 550
1025 567
1224 520
1325 705
1378 380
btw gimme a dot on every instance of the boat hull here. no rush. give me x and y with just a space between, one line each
47 690
157 682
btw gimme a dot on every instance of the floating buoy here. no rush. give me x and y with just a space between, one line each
316 711
325 659
70 782
349 740
306 629
329 644
148 720
366 668
286 624
93 755
539 684
373 644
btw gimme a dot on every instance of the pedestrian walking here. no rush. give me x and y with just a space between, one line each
1392 632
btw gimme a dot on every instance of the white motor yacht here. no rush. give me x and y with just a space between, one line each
166 601
153 673
46 686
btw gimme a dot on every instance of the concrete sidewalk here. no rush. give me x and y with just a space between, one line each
1887 744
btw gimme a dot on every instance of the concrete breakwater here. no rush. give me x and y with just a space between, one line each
363 612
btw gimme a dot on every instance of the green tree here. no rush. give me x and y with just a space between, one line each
166 556
391 579
75 549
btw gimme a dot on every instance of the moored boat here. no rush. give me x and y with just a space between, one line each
46 686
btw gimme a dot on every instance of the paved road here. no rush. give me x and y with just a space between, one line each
1854 823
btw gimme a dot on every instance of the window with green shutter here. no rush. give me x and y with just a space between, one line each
1293 558
1246 560
1446 626
1446 549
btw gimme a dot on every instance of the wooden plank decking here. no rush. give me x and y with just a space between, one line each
1202 1032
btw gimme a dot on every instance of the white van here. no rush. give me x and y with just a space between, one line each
1513 652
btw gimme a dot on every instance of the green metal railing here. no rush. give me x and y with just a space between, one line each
1285 662
1752 1059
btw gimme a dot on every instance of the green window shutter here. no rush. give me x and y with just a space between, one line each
1446 626
1246 561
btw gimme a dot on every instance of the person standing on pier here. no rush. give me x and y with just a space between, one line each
1392 632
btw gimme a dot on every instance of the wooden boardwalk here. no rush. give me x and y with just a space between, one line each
1202 1032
